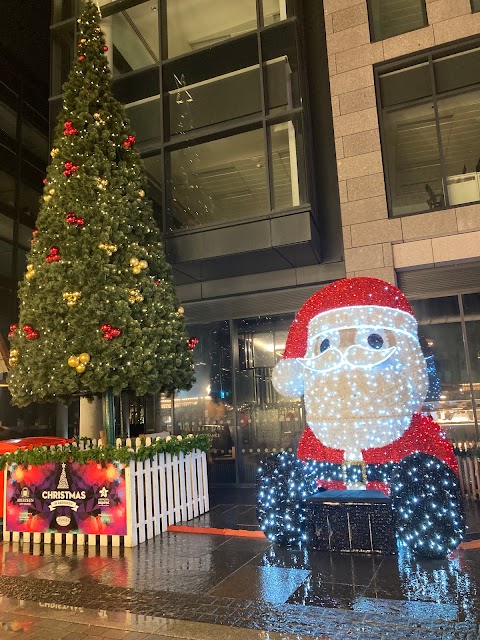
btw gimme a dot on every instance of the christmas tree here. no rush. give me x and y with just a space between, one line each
98 311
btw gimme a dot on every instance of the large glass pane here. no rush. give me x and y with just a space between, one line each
207 407
405 85
281 68
154 170
460 129
276 10
132 36
140 93
267 422
6 228
475 5
193 24
63 9
288 169
217 181
411 155
471 307
213 86
7 188
63 48
5 259
388 19
448 399
457 71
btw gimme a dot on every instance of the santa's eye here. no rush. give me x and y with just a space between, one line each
375 341
323 342
324 345
373 338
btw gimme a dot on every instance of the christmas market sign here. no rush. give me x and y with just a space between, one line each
67 497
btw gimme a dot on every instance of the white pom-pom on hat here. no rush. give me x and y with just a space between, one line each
287 378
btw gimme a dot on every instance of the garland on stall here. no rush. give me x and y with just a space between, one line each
108 453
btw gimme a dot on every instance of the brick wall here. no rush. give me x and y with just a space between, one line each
375 244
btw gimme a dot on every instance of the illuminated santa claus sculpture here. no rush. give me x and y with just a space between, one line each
354 354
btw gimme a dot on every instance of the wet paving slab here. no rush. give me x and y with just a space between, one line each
186 584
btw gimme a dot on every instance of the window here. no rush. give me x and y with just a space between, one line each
276 10
214 86
288 172
193 24
132 35
430 122
390 18
475 5
216 181
446 327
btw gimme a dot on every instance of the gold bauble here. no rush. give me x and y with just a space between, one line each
181 311
14 353
71 303
133 262
54 152
143 264
136 270
84 358
29 275
51 192
47 197
73 361
80 368
30 267
96 116
141 193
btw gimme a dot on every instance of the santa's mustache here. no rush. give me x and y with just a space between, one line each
355 356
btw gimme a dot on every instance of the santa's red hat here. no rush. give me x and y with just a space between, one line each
382 304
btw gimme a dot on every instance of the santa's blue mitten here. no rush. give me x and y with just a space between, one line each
283 485
427 505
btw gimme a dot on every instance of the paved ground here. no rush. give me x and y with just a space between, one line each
205 587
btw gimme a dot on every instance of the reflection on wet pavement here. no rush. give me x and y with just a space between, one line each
179 582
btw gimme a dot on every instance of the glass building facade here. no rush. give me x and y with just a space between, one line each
215 95
23 158
218 98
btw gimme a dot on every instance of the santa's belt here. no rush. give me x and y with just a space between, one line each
355 472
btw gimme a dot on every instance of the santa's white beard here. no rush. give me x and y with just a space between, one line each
354 409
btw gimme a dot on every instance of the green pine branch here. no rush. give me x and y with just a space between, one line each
97 304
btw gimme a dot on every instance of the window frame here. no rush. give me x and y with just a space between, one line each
429 56
370 22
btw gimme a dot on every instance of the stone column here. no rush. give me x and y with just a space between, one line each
61 428
91 418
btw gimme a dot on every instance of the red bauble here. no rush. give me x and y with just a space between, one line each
80 222
34 232
27 328
71 218
69 129
13 328
53 255
105 48
70 168
192 342
32 335
81 58
44 181
115 332
106 327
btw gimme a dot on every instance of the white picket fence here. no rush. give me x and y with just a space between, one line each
160 492
469 474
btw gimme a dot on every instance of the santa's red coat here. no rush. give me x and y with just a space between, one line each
424 435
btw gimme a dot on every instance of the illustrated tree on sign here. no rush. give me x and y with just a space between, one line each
98 312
